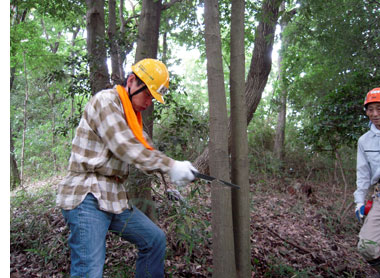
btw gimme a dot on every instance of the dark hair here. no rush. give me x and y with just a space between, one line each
139 81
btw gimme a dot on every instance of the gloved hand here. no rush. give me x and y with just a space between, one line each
359 211
181 174
174 195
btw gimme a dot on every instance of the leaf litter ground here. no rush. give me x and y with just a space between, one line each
293 234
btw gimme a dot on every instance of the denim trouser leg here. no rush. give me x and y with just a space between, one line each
137 228
89 226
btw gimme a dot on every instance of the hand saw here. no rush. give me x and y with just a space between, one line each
209 178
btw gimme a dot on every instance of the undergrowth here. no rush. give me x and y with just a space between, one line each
39 235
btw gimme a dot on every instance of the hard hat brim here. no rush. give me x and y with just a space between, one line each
157 96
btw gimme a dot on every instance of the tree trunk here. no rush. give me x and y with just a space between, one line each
15 174
147 47
239 144
222 229
340 164
124 47
72 97
281 122
261 64
97 56
116 76
148 33
280 128
53 139
22 178
52 98
164 47
17 17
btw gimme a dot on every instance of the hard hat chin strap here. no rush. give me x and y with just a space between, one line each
136 92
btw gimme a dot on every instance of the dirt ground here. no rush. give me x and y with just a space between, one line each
295 232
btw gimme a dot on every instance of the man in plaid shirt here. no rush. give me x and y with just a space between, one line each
92 196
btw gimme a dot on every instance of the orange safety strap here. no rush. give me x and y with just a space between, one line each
134 119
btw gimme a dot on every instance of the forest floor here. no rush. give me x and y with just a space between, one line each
295 232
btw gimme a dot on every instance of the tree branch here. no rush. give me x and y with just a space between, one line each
168 5
290 242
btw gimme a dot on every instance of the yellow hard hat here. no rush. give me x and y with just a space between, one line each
155 75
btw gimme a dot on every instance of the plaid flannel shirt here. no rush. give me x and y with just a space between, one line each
102 149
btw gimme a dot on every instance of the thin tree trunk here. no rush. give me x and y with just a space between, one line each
53 139
15 174
147 47
164 47
113 41
99 77
339 160
261 64
280 128
122 52
52 97
281 122
22 178
72 110
222 226
239 144
18 17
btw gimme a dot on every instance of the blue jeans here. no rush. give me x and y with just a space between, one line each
88 228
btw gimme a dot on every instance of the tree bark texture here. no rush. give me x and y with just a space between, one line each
261 64
15 174
17 17
148 33
75 31
147 47
222 229
96 48
116 75
22 178
239 144
281 121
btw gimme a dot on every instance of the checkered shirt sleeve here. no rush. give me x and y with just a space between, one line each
102 149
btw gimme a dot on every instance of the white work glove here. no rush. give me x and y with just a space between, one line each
359 211
181 174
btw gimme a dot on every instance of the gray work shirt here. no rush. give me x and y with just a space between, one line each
368 163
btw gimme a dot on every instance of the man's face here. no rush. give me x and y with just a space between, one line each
373 113
142 100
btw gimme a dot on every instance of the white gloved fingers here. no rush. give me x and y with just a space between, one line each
359 205
181 174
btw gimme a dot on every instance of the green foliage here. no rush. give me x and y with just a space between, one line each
180 130
330 64
301 161
337 119
182 24
192 233
280 269
54 66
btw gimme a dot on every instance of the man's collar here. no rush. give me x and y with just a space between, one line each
375 130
